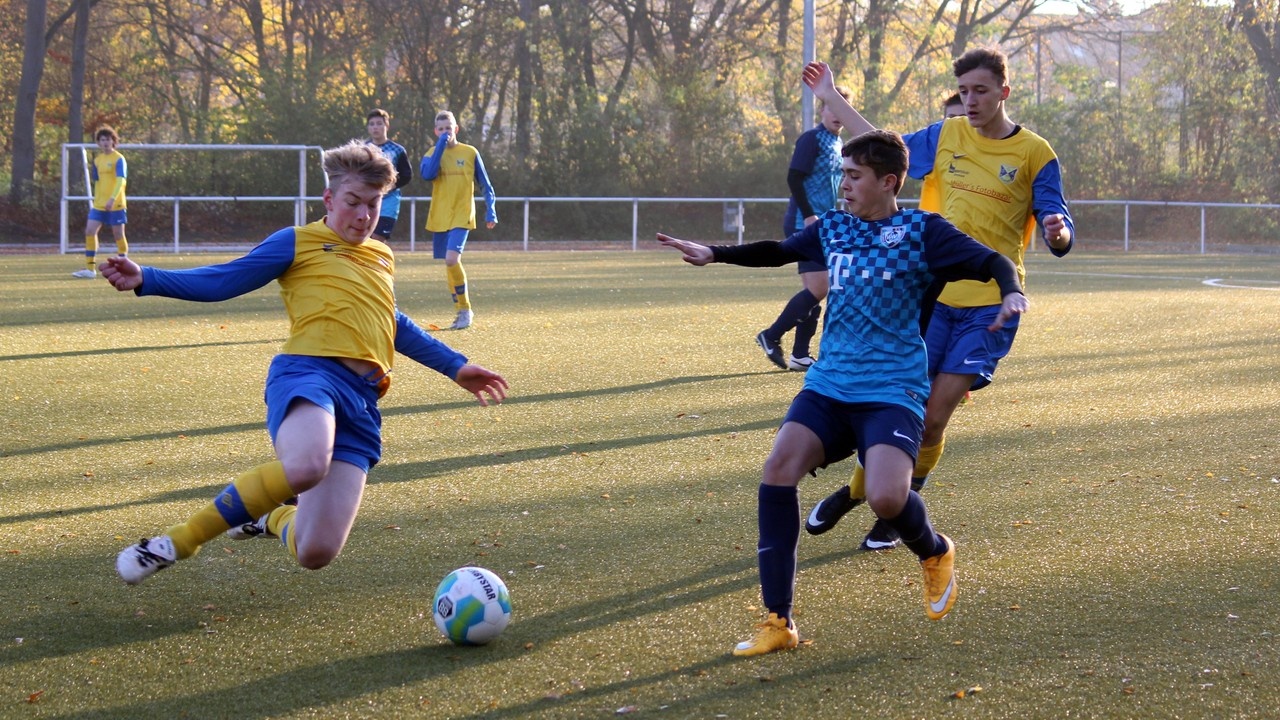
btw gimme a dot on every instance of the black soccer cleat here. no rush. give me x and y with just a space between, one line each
772 350
881 537
827 513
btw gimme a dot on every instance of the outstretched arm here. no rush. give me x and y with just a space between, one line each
817 75
480 382
694 254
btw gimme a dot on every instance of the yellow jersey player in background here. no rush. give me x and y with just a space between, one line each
454 169
997 181
109 175
322 390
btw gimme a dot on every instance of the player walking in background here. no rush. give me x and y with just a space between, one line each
814 180
322 391
378 124
866 394
996 180
454 169
109 174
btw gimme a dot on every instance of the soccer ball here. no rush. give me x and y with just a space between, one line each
472 606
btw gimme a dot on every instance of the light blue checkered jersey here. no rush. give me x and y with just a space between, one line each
879 272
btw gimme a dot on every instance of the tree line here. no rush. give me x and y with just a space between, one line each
646 97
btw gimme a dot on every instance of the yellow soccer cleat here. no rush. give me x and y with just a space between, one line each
940 581
773 634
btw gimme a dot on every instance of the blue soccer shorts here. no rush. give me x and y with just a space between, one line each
959 342
846 428
352 400
454 240
109 217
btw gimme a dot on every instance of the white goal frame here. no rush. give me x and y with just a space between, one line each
299 200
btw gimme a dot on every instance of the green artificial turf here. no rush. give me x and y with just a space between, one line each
1113 497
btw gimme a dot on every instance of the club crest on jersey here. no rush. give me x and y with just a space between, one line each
891 236
1008 174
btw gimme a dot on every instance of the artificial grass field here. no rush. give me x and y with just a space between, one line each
1113 498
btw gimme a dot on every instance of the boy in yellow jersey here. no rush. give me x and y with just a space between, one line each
322 391
109 174
454 169
997 181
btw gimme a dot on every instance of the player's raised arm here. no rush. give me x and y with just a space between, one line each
818 76
694 254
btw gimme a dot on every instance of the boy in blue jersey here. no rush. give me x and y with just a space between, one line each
378 124
109 175
865 393
454 170
995 180
322 391
814 180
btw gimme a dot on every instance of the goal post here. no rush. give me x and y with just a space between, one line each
299 199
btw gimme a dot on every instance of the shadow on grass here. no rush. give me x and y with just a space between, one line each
408 471
137 349
323 684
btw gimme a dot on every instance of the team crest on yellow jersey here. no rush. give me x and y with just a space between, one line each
1008 174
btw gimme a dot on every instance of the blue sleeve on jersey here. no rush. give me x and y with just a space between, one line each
805 154
93 172
418 345
953 255
486 189
430 166
1047 198
266 262
922 147
122 169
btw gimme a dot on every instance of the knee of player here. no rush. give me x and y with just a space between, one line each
886 503
306 472
314 556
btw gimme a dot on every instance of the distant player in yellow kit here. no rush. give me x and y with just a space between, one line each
109 174
454 169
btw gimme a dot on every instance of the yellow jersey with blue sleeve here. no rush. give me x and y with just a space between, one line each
340 297
454 172
995 190
109 175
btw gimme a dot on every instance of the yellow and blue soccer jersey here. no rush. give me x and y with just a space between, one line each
340 297
817 157
879 273
454 173
399 157
109 174
994 190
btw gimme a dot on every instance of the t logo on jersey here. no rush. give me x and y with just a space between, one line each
891 236
1008 174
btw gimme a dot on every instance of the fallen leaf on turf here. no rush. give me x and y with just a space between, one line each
35 696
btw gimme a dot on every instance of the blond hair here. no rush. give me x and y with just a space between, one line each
360 161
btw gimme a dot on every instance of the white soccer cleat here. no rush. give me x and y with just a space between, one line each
463 321
85 274
139 562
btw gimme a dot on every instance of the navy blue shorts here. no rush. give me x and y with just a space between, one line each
352 400
846 428
386 224
959 342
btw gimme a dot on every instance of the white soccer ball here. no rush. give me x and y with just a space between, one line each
472 606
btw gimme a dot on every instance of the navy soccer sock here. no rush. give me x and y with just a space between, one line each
779 519
797 309
913 527
806 329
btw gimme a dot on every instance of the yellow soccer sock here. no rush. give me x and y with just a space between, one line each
457 278
252 495
91 252
926 461
280 524
858 483
122 246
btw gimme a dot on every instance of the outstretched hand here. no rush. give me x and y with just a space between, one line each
1013 304
123 273
694 254
480 382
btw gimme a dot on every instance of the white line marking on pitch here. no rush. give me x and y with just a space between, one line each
1211 282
